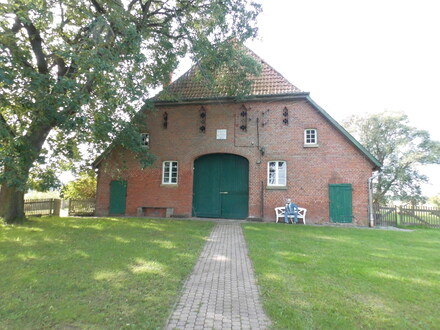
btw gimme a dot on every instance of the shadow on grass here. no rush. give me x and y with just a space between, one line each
89 272
313 277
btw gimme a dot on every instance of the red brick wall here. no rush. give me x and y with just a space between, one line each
309 170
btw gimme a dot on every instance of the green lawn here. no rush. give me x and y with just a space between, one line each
345 278
106 273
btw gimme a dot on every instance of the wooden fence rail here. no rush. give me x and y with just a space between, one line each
385 215
38 207
419 215
407 216
81 207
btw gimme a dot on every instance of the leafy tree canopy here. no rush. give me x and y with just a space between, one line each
76 71
401 149
82 188
435 200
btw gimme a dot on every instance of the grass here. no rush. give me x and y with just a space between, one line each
345 278
111 273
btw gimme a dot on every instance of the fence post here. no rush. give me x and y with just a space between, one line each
69 206
402 216
56 207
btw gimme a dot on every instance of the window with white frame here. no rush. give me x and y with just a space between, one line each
169 172
145 139
276 173
310 136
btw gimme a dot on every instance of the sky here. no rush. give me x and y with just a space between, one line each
357 57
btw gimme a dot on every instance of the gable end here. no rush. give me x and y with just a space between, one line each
351 139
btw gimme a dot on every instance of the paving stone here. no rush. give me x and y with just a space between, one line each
221 293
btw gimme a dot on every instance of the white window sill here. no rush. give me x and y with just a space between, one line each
314 145
276 187
169 185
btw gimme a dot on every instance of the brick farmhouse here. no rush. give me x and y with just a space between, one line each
217 157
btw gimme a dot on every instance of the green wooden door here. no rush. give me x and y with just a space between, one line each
118 196
340 196
221 186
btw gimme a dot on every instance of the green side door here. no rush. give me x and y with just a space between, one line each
340 196
118 196
206 187
221 186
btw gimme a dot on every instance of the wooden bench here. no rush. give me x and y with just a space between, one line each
279 213
155 211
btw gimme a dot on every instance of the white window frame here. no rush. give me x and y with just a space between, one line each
145 139
307 139
167 172
277 182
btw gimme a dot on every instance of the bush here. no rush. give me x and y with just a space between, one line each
82 188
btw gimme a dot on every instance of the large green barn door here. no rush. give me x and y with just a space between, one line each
340 203
118 196
221 186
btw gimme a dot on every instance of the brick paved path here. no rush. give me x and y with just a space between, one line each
221 293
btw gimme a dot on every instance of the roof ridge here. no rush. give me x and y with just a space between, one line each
188 86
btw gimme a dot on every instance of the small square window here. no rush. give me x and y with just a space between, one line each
145 139
169 172
276 173
310 136
222 134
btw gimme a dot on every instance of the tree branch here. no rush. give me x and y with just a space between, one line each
131 4
68 112
17 25
168 35
5 124
98 7
12 46
145 9
62 69
37 46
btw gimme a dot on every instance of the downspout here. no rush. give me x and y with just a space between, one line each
370 199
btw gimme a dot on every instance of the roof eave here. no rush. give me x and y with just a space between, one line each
353 141
231 99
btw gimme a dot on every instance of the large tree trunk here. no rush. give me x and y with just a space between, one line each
12 204
12 195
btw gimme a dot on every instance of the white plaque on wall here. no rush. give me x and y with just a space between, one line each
221 134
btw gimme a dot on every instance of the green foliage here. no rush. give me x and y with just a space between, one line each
401 148
75 72
42 195
82 188
318 277
100 273
435 200
43 179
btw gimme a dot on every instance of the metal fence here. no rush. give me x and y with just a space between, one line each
407 216
81 207
42 207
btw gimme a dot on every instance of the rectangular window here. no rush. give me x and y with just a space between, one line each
145 139
169 172
310 136
276 173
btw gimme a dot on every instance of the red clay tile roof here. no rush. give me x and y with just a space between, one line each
191 86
